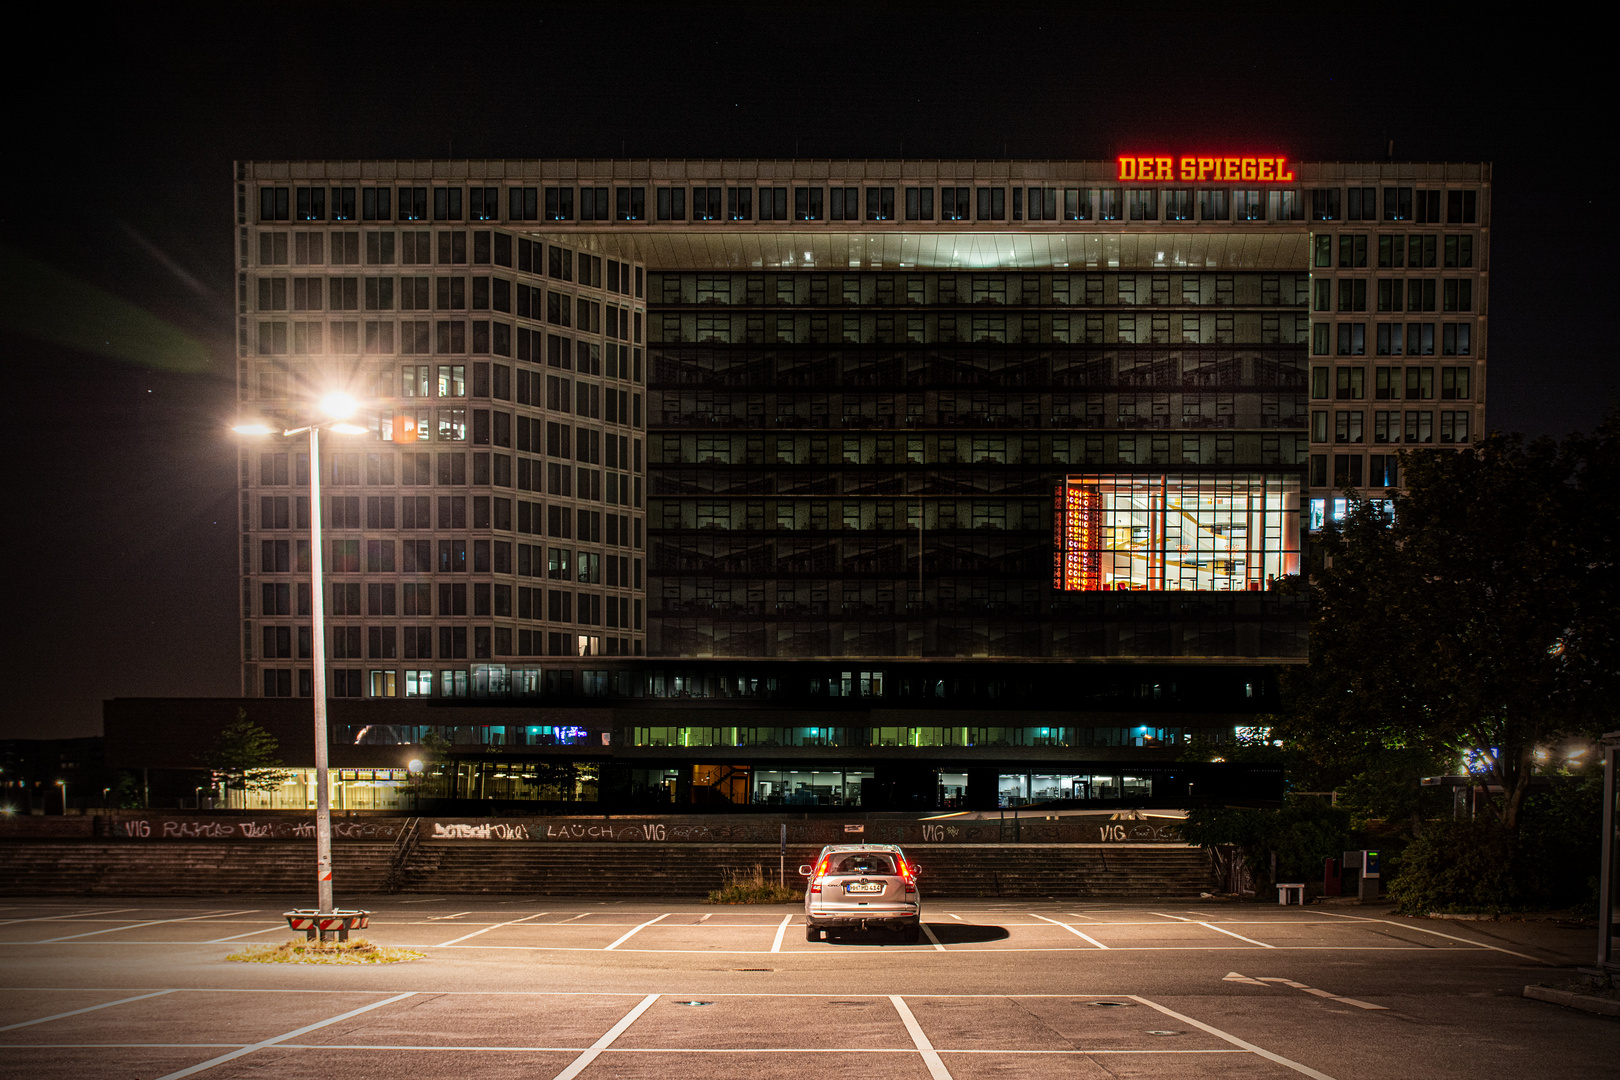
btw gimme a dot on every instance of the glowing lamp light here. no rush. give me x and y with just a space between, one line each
254 428
339 406
348 429
416 765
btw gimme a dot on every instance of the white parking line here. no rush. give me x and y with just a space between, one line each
64 918
487 929
250 933
92 1008
930 932
930 1056
153 922
1322 993
1436 933
1234 1040
955 916
579 1064
632 933
234 1054
1240 937
1162 915
431 900
776 946
1072 930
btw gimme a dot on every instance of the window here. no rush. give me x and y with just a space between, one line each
413 204
1111 534
1322 250
1420 339
807 204
523 204
559 204
1353 250
343 204
739 204
376 204
1352 294
630 203
844 204
1419 383
1324 204
1319 382
1419 428
1462 207
1352 339
1347 470
1361 204
992 204
446 204
1043 204
1426 207
954 204
706 203
1143 204
1459 251
1351 384
274 204
1077 204
1391 252
1249 206
1397 204
1454 339
1457 294
880 204
1387 383
1178 205
1454 383
671 204
593 204
1347 426
1391 294
1386 426
1215 204
1454 426
772 206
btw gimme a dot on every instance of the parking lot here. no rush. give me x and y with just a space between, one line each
523 987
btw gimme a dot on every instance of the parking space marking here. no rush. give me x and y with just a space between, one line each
930 932
1287 1063
456 915
153 922
579 1064
238 937
1178 918
91 1008
1436 933
955 916
434 900
262 1043
707 917
1073 931
776 946
1240 937
64 918
930 1056
632 933
487 929
1322 993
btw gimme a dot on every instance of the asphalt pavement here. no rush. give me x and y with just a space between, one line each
546 988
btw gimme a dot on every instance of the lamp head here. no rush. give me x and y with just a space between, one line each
254 427
348 429
416 765
339 406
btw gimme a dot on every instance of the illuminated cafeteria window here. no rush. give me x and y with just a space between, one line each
1210 532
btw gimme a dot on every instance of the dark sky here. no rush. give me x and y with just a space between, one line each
117 245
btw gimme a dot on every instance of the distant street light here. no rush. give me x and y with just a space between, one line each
338 408
63 785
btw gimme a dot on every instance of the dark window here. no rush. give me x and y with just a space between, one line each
274 204
880 204
631 203
919 204
954 204
671 204
559 204
1462 207
992 204
807 204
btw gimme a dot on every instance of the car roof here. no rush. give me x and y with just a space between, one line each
859 847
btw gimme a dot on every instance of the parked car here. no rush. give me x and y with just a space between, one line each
862 886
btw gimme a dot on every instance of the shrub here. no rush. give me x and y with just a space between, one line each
1461 866
752 887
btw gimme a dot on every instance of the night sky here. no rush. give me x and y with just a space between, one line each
117 223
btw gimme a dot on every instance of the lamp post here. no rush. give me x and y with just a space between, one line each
63 785
338 408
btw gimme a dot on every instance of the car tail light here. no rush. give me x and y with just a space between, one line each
815 885
911 884
821 871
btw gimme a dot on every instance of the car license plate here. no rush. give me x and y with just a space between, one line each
864 887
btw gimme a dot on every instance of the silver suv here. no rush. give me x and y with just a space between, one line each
862 886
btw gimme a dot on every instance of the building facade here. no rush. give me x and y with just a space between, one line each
822 460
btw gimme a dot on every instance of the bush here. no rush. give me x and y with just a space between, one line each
752 887
1477 866
1460 866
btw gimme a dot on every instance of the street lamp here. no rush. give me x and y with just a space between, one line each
63 785
337 408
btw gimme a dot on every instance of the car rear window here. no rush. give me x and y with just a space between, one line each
863 862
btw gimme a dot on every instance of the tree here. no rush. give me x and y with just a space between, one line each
244 757
1476 625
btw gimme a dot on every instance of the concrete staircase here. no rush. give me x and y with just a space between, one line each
690 870
81 868
687 871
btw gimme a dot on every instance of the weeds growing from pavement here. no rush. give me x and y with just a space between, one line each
752 887
353 951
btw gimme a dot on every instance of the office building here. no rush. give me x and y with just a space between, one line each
881 470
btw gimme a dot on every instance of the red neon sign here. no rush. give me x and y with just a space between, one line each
1193 169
